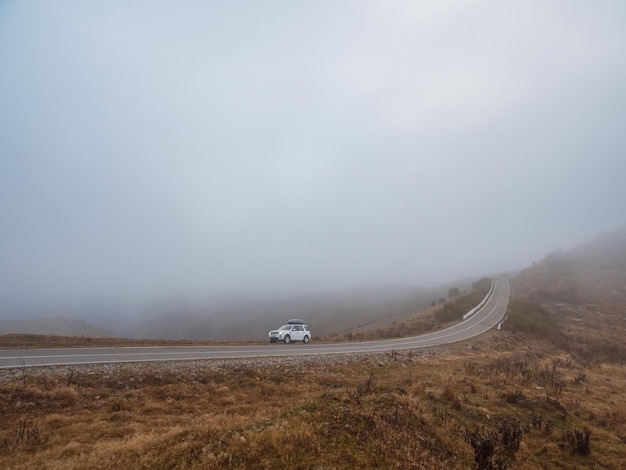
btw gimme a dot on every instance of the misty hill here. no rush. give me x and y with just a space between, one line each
592 273
60 326
326 313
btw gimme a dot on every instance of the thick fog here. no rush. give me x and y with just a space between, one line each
158 152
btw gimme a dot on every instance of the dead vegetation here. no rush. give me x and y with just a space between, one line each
502 402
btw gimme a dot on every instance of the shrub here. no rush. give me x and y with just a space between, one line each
450 394
578 441
454 311
514 398
493 450
529 317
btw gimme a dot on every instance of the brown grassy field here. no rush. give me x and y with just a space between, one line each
545 392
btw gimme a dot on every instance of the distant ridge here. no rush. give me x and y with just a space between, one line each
60 326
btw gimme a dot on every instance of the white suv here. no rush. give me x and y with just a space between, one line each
294 330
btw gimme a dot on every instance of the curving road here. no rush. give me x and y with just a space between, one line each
484 319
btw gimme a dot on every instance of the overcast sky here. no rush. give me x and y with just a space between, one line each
189 148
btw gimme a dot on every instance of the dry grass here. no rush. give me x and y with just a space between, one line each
370 411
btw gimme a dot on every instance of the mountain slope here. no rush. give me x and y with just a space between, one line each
592 273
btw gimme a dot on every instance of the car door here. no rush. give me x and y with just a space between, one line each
298 333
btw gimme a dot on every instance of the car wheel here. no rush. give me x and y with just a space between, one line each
287 339
306 339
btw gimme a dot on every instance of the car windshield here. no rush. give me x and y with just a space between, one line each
285 327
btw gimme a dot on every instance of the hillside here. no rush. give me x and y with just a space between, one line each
326 314
585 290
592 273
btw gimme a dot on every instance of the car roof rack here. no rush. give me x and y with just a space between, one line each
296 321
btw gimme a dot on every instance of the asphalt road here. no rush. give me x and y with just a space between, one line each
484 319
